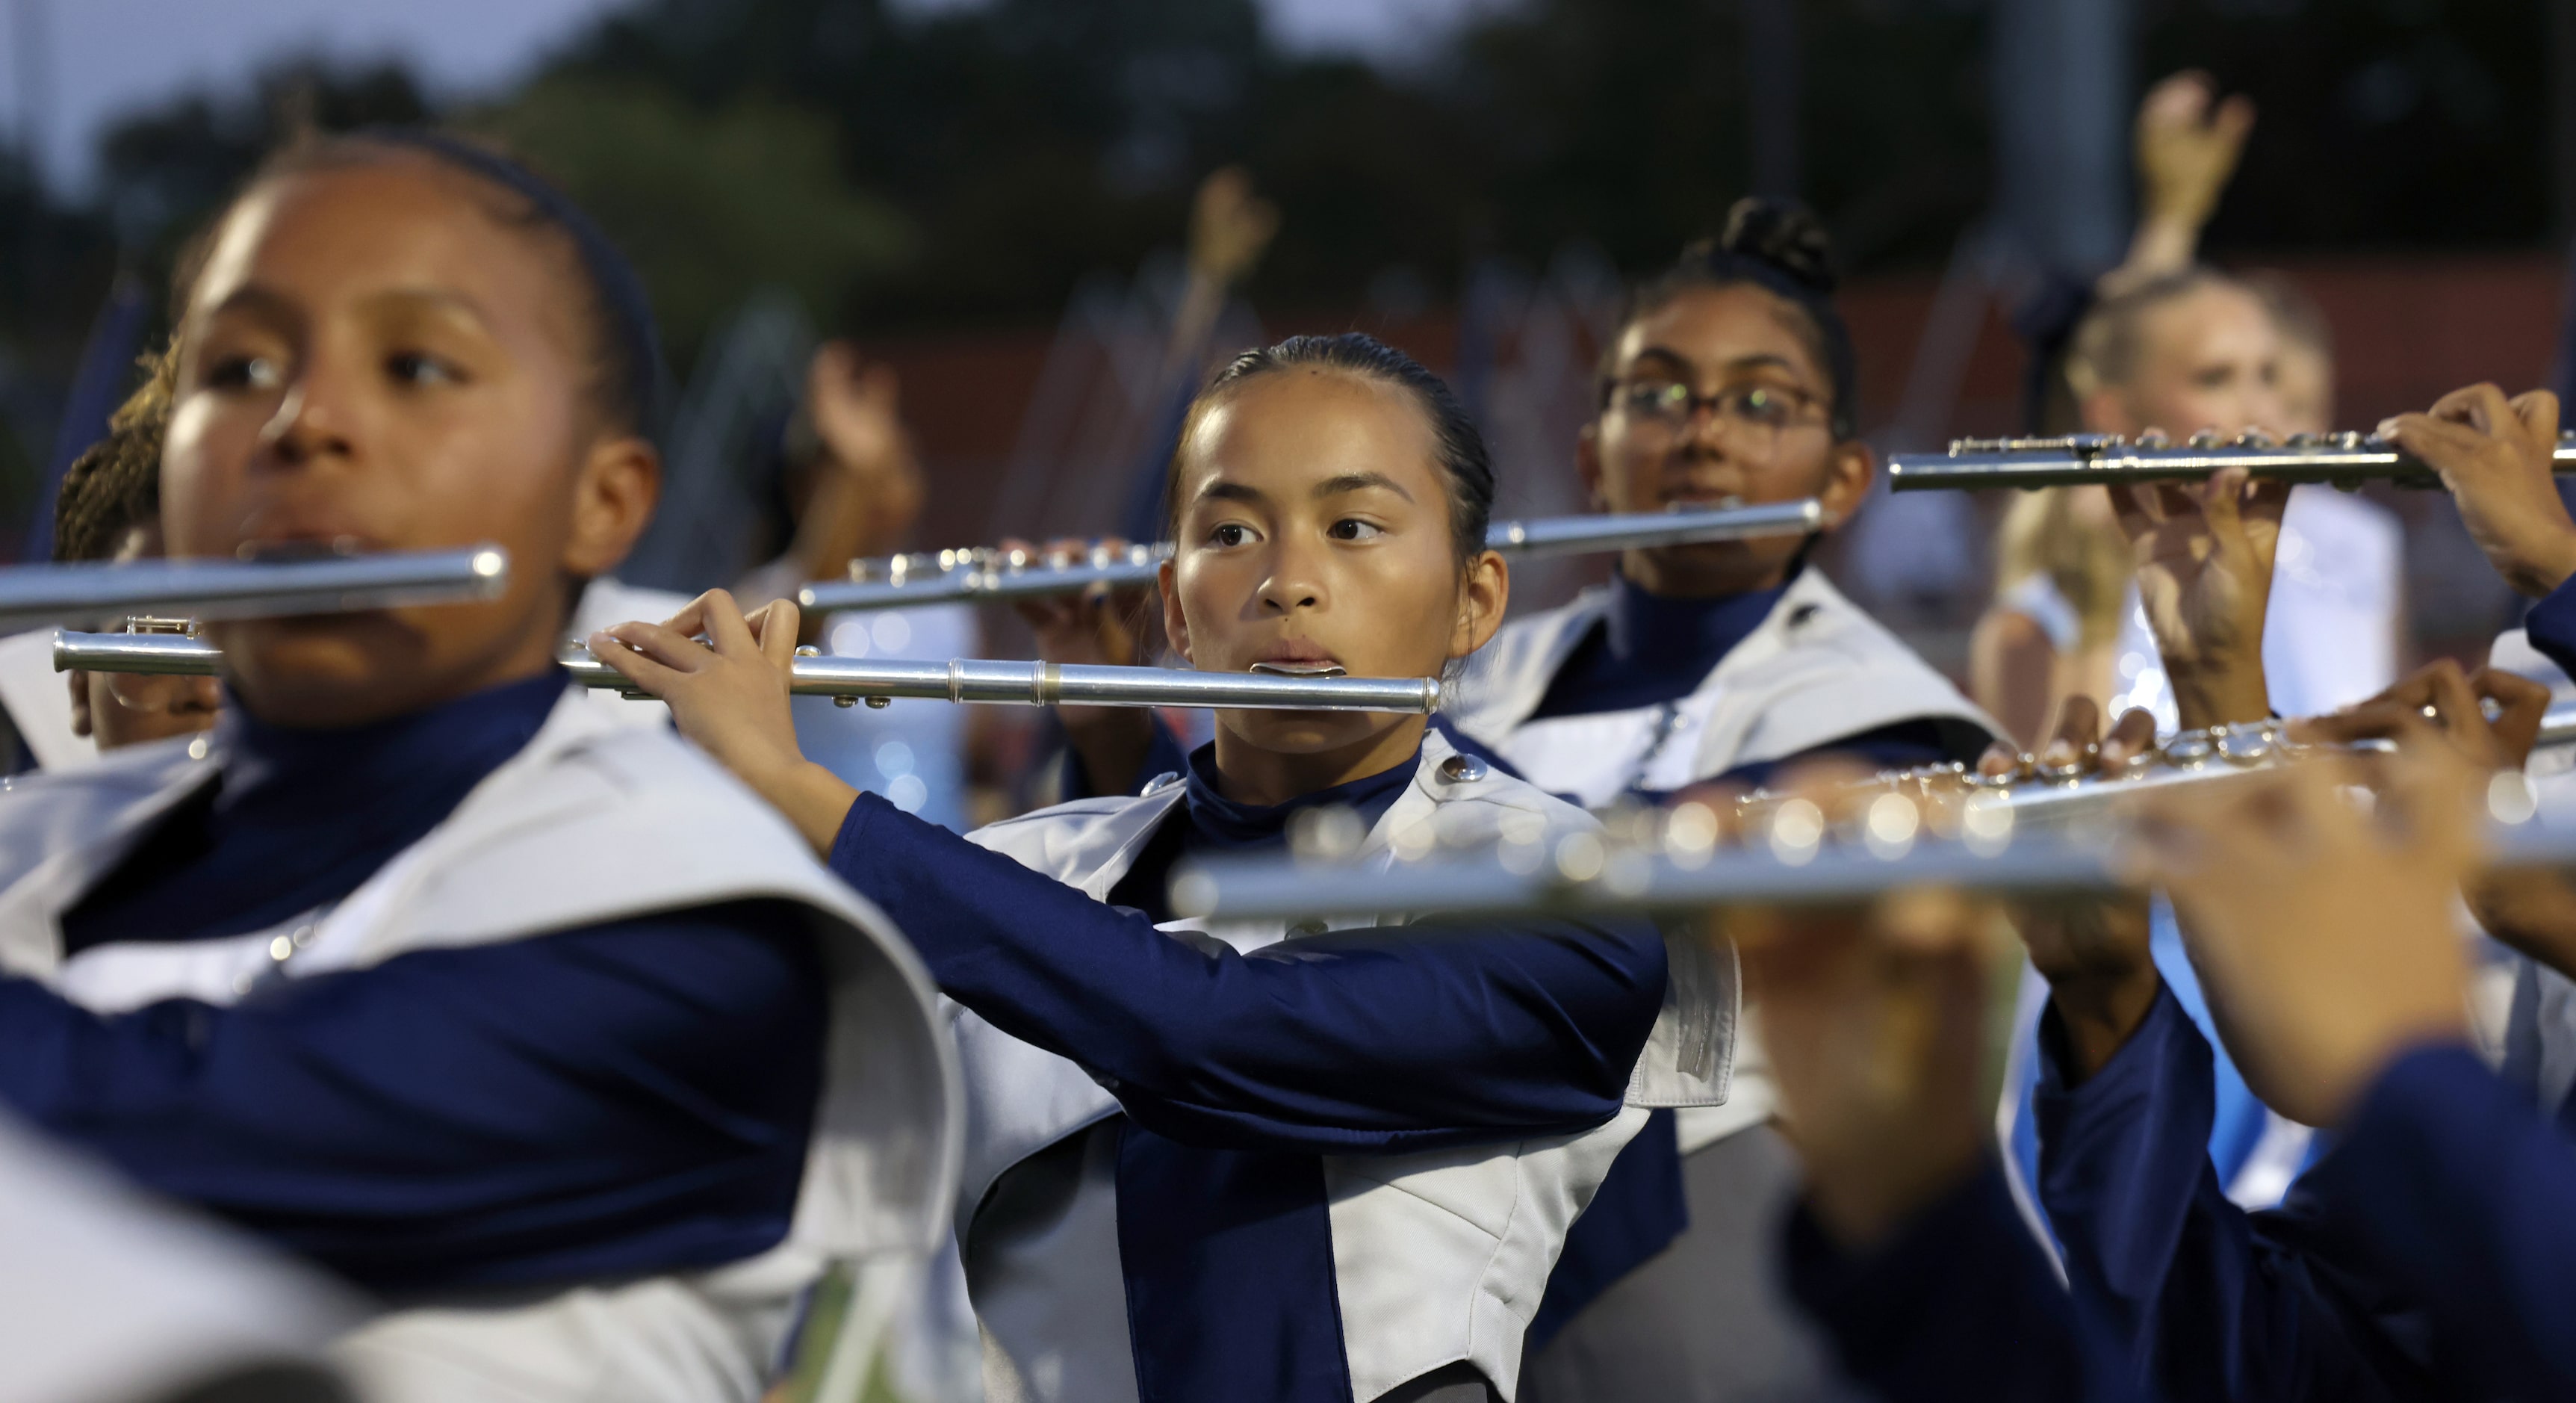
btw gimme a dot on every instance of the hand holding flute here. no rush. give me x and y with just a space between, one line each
1108 623
2498 458
729 695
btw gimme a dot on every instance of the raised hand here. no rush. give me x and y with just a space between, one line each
1230 226
728 694
2532 911
2204 568
1099 625
870 490
2188 141
2324 937
2494 454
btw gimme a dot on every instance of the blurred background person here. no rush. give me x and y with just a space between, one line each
2172 346
853 488
2164 345
108 510
1090 751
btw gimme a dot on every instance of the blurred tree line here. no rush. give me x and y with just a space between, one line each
902 166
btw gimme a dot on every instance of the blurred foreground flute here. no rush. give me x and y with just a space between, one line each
851 680
2032 831
243 589
989 574
2343 460
1585 874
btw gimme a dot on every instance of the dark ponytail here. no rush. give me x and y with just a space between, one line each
1465 464
1782 248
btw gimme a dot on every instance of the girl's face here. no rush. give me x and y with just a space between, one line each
1755 428
371 359
1314 530
2209 359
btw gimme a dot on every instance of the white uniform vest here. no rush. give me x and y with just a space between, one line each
1816 669
1438 1257
592 821
108 1293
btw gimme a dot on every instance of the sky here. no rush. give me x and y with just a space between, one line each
101 58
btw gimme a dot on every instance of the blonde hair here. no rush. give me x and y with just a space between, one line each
2087 561
2109 341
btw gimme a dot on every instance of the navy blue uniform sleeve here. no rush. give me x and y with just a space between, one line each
2467 1199
2212 1303
617 1100
1376 1041
1961 1304
2551 627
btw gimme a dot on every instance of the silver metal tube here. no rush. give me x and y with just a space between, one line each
2033 795
958 680
987 574
237 589
2345 460
1584 874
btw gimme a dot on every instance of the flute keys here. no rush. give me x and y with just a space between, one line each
1796 831
2511 799
2247 745
1890 825
2069 770
2189 750
1986 823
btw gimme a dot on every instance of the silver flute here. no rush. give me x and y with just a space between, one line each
2034 830
2344 460
2035 792
1584 874
986 573
241 589
849 681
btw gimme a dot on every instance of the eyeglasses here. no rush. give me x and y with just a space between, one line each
1760 411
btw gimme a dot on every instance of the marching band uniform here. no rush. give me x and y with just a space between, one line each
1625 694
1622 692
113 1295
1246 1161
508 1011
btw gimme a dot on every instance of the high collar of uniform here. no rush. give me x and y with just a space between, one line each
381 759
1224 822
1708 626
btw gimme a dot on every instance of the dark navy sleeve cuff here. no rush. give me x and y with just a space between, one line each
2149 1053
2466 1198
1960 1304
2551 626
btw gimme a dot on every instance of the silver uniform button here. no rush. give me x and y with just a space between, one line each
1159 783
1463 769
